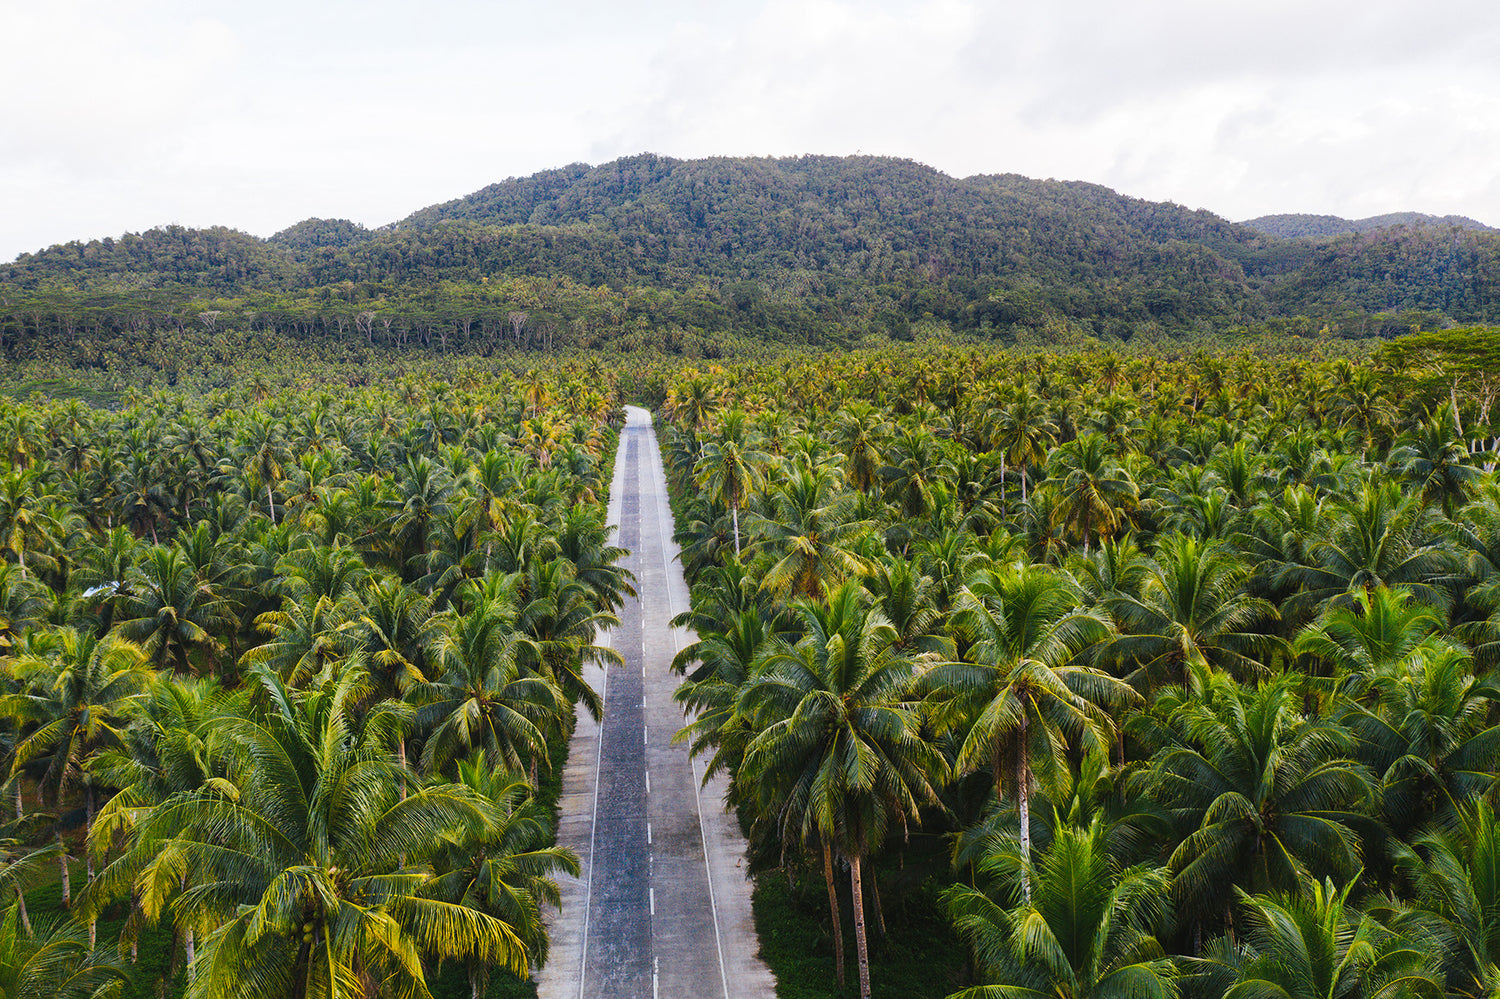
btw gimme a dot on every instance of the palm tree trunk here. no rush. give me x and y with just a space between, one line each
271 502
67 882
189 942
21 910
1023 804
401 758
734 512
88 854
861 945
20 806
875 905
833 908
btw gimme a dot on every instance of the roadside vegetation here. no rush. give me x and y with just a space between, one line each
1188 665
283 666
1053 670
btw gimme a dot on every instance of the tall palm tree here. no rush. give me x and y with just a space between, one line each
53 962
1085 930
1309 943
172 613
306 865
26 522
1436 459
839 755
1095 494
482 700
1192 609
505 871
1262 795
859 432
1019 696
1429 737
1022 434
80 693
1455 871
729 471
808 533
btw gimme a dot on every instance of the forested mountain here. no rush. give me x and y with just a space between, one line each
1331 226
689 254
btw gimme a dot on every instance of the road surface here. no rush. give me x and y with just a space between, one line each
661 909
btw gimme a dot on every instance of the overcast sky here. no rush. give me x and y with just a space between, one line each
118 115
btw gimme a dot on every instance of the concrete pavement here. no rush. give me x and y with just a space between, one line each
662 907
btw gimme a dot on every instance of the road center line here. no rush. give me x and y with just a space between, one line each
659 490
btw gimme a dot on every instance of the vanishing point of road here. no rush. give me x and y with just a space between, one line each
662 907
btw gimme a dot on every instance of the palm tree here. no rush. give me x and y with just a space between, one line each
1381 632
1085 930
1437 460
1022 434
1095 495
1309 943
858 432
808 533
1378 539
1192 609
729 472
306 637
1261 794
839 755
1019 696
1455 871
305 863
506 871
482 700
561 620
1430 738
25 520
54 962
171 613
80 694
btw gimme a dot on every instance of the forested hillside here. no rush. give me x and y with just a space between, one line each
1331 226
694 256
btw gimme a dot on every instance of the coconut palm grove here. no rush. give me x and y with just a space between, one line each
1075 654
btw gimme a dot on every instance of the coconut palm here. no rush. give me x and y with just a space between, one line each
1429 736
1019 696
1261 794
838 756
482 699
1083 928
172 613
54 962
80 693
507 870
809 536
305 863
1095 496
729 471
1455 871
1192 609
1309 943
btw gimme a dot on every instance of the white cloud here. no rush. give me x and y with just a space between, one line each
127 114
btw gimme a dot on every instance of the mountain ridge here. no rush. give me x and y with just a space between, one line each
800 248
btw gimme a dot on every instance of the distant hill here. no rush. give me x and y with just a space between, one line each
1319 227
654 250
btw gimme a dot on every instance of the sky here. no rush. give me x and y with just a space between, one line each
120 115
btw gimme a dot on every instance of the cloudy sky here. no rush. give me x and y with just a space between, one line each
118 115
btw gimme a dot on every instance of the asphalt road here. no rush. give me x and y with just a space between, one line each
662 907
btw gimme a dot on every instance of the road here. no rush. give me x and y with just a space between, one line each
661 909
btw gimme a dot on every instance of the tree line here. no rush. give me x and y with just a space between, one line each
1189 664
281 675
